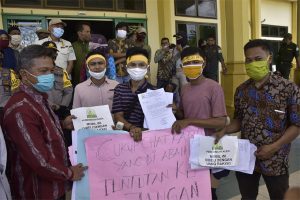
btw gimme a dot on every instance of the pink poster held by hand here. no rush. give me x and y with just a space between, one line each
155 169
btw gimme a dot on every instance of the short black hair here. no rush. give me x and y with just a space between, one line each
29 53
192 51
79 26
122 24
258 43
136 51
164 38
212 36
94 52
11 28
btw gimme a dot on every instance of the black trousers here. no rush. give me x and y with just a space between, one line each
284 68
249 183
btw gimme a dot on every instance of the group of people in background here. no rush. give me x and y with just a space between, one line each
39 84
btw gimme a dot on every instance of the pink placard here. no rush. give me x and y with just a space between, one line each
155 169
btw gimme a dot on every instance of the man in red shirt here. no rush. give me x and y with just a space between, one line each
37 154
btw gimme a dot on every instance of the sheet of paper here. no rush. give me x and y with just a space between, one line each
220 155
246 161
98 118
154 104
155 168
169 97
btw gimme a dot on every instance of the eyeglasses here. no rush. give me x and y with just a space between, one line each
137 65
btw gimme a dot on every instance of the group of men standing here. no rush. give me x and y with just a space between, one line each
266 106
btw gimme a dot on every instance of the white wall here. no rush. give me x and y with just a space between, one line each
277 12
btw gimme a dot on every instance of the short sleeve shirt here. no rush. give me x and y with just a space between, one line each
119 46
265 114
127 102
65 52
287 52
203 101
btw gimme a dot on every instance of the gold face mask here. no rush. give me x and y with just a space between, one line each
257 70
192 71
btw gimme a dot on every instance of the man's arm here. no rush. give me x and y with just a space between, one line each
298 62
70 66
134 131
216 123
159 55
267 151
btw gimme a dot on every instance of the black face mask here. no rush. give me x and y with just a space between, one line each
181 42
140 37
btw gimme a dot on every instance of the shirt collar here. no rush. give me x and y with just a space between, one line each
90 82
142 88
37 96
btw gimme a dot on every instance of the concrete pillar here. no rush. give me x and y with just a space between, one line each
255 19
237 35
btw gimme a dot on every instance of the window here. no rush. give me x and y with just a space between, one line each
131 5
197 31
196 8
22 2
100 4
64 3
273 31
138 6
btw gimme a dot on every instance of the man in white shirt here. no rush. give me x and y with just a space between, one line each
66 55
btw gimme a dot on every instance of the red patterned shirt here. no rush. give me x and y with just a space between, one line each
37 154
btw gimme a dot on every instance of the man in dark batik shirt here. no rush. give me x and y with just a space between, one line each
267 113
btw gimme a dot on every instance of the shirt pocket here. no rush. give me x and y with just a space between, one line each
276 117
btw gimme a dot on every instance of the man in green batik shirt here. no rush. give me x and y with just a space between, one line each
81 48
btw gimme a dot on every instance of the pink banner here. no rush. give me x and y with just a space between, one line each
155 169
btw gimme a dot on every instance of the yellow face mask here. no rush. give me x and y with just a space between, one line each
192 71
257 70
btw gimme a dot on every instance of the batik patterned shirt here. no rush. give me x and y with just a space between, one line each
37 154
265 113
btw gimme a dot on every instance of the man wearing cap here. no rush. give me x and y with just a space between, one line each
96 90
60 96
126 106
141 35
181 43
288 50
66 56
117 48
42 33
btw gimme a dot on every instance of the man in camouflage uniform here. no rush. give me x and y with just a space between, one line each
288 50
9 83
117 48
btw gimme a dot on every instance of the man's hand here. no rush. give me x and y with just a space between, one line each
173 106
78 171
266 151
68 123
224 69
136 133
179 125
219 134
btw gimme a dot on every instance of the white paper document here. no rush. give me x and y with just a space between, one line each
154 104
223 154
245 162
97 117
